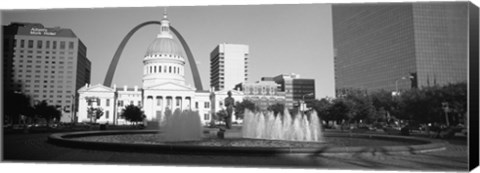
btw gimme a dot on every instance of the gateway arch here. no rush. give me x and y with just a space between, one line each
116 57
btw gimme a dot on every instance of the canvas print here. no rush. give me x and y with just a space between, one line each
360 86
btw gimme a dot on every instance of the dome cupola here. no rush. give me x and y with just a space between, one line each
163 61
164 43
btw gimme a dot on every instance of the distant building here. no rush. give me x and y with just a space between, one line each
263 93
295 89
228 66
45 63
399 45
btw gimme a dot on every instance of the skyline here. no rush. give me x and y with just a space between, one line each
303 30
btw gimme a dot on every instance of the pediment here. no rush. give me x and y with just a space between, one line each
96 88
171 86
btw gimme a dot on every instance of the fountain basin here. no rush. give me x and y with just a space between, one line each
207 146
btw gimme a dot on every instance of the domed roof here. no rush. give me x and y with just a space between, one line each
162 45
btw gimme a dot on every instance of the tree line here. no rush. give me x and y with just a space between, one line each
425 105
420 106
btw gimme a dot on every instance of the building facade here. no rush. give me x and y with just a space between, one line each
48 64
263 93
228 66
297 90
164 86
399 46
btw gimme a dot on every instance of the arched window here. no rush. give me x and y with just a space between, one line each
160 69
170 69
150 69
154 69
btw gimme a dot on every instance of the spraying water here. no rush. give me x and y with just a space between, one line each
267 126
182 126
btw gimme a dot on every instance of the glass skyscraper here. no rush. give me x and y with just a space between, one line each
400 45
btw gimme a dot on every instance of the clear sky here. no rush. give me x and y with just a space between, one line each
282 38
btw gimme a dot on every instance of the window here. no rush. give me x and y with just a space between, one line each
206 117
22 43
47 45
196 105
170 69
159 101
207 105
39 44
30 43
70 45
108 103
131 102
62 45
106 114
177 101
54 45
99 101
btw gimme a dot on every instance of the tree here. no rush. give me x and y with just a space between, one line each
16 104
277 108
47 112
322 107
94 113
241 106
220 115
133 113
340 110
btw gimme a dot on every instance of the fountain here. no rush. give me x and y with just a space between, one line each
268 126
181 126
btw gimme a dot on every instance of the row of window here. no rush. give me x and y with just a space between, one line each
49 101
40 44
164 55
158 69
121 103
45 72
21 51
42 82
20 76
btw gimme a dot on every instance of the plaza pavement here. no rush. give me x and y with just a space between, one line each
34 148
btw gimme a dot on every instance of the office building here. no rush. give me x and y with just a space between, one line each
45 63
228 66
398 46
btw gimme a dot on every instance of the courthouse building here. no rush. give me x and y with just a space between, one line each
164 86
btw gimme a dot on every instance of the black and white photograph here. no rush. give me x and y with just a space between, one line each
369 86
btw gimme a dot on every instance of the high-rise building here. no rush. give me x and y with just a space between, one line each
403 45
228 66
45 63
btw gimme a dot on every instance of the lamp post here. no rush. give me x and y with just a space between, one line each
446 109
73 109
303 105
